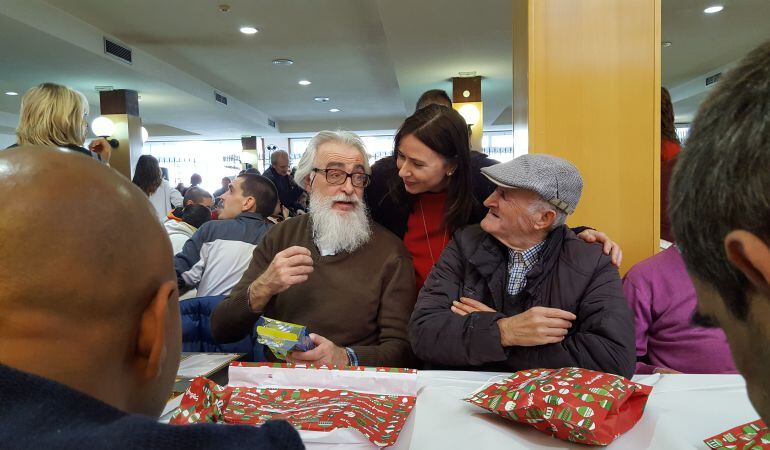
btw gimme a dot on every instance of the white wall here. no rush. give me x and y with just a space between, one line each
6 140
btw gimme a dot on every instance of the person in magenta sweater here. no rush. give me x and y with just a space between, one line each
662 298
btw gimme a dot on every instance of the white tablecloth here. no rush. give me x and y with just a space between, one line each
682 411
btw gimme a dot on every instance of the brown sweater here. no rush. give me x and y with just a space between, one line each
361 300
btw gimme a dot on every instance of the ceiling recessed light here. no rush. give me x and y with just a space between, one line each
249 30
713 9
321 99
11 93
334 110
666 44
304 82
283 62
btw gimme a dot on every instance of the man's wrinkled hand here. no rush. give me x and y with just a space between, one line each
536 326
466 305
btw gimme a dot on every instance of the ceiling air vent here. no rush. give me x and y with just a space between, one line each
271 123
713 79
220 98
119 51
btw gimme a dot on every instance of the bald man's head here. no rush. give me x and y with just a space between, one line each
81 248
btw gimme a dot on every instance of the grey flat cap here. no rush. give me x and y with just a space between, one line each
557 180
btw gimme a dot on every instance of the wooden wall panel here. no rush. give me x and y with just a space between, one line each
594 96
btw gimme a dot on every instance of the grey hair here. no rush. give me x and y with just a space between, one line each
540 205
307 162
274 156
721 182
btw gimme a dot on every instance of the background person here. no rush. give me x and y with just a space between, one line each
278 172
55 115
193 216
148 178
662 298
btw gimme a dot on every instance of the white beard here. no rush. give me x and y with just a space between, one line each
335 232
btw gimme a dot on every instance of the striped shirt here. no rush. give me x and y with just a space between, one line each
519 264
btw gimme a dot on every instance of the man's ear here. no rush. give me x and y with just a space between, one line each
751 256
308 183
249 204
545 219
151 342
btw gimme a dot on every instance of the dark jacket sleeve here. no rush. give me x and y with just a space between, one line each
442 337
604 336
233 319
396 304
190 254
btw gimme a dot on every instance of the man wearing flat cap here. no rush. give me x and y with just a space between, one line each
520 290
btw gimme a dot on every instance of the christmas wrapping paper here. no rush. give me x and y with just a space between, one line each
312 399
283 337
749 436
573 404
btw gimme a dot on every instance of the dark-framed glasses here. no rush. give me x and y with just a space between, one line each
339 176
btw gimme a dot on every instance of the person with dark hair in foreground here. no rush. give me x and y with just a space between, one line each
90 340
720 214
215 257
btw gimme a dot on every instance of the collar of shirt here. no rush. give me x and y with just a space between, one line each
519 264
530 256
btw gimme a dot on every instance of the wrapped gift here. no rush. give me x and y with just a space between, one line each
283 337
573 404
352 405
750 436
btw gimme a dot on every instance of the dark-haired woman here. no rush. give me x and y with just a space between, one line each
432 186
148 177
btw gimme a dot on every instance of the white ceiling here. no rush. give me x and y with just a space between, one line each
701 43
372 57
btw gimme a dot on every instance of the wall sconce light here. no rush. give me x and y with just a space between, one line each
145 135
470 113
104 127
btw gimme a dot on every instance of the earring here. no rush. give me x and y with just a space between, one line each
449 174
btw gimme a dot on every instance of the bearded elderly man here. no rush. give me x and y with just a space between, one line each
520 290
350 281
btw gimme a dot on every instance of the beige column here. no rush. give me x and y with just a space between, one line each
594 99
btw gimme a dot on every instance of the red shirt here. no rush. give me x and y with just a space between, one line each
426 235
668 149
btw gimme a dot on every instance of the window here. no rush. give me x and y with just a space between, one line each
498 145
212 160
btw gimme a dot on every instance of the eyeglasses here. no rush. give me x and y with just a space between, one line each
338 176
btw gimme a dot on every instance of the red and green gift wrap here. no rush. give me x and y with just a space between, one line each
379 418
749 436
573 404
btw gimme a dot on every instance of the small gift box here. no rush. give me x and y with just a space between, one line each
749 436
283 337
355 406
573 404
